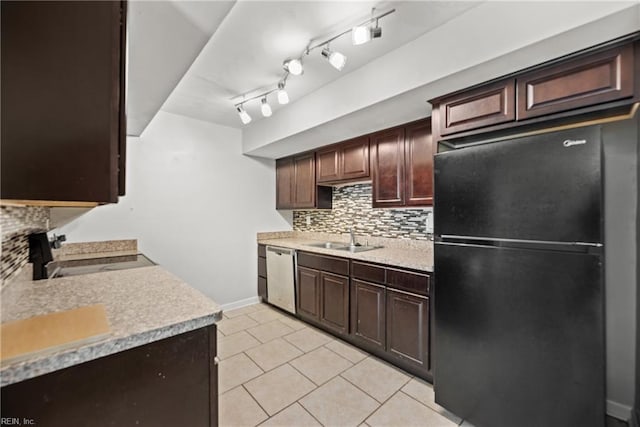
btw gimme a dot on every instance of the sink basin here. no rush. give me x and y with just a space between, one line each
356 249
329 245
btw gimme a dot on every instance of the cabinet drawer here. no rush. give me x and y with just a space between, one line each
408 281
262 251
368 272
593 79
324 263
262 267
484 106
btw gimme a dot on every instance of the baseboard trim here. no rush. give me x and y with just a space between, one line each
239 304
618 410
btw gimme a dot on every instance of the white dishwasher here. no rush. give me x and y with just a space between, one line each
280 278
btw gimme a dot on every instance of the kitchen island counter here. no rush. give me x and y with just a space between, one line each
143 305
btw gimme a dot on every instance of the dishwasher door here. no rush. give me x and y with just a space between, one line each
280 278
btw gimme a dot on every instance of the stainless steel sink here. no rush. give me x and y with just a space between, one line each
356 249
328 245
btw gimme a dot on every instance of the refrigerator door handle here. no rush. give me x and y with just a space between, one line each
586 247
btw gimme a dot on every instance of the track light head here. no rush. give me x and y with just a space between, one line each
244 116
336 59
283 96
266 108
360 34
376 32
293 66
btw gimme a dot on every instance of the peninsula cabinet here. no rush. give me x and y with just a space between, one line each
343 162
63 102
296 184
402 166
323 291
166 383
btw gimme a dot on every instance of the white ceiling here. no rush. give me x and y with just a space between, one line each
164 38
191 58
247 50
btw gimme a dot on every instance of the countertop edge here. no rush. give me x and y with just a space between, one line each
47 363
389 256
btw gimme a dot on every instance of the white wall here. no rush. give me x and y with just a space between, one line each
194 203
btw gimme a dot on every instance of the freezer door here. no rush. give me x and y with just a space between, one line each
519 336
544 187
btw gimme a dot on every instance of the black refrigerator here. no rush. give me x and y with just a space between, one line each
519 295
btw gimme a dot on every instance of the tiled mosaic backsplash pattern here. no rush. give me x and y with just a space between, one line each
352 208
17 223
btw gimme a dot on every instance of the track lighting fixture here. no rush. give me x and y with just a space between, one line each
336 59
360 34
244 116
283 96
266 108
293 66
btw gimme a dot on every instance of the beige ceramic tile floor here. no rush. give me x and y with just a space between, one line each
278 371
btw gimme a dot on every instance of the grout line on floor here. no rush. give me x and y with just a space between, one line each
258 403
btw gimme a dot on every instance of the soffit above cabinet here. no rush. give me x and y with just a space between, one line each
165 37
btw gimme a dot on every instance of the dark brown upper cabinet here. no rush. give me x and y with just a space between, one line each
402 166
593 79
590 82
296 184
344 162
387 163
418 154
484 106
63 124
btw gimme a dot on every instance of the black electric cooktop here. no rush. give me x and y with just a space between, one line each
97 265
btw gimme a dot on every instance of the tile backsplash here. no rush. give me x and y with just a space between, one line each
16 224
352 209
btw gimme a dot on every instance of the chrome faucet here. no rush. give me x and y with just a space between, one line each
352 243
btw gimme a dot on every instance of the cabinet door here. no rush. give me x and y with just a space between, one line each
327 164
408 327
593 79
387 161
284 183
334 302
355 159
304 195
62 92
487 105
308 287
368 317
419 164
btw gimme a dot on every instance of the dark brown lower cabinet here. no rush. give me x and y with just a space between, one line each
334 302
368 319
323 298
171 382
262 273
408 327
307 295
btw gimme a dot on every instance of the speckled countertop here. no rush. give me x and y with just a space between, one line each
143 305
412 254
